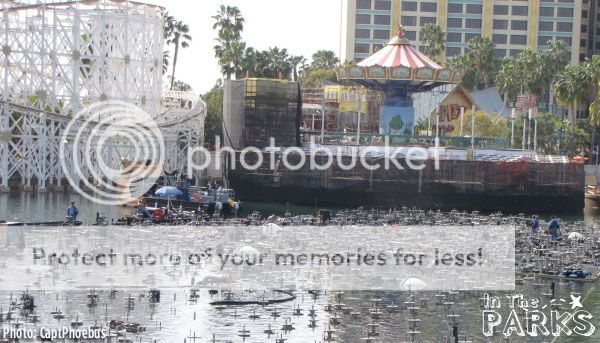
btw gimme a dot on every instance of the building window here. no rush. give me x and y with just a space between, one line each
473 24
515 52
546 26
469 36
519 10
518 25
361 48
583 43
411 35
544 40
454 22
382 20
406 20
584 14
500 9
454 37
547 11
363 4
383 5
566 1
567 40
363 19
381 34
474 9
362 33
499 39
427 20
500 53
564 27
409 6
428 7
565 12
584 28
452 51
518 39
500 24
455 8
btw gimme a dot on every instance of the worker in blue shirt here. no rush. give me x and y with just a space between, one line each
535 225
553 227
72 212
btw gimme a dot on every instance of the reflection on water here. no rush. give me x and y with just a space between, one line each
28 206
175 318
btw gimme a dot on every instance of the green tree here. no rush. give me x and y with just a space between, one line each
296 62
229 24
324 59
396 123
486 125
213 125
570 88
233 59
510 79
177 34
179 85
434 39
479 65
592 67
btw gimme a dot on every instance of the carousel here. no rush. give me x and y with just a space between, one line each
398 70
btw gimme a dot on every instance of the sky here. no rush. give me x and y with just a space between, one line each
301 26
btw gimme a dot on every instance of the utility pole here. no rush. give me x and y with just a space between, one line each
535 135
524 132
529 112
323 104
462 120
437 126
512 128
473 110
358 125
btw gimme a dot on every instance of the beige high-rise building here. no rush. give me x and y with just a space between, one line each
512 25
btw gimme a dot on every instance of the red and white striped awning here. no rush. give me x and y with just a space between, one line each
399 52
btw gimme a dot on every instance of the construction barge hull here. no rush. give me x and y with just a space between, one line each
469 185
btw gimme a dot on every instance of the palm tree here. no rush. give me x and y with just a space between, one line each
169 24
295 62
482 55
324 59
279 62
178 35
510 79
230 24
592 68
435 39
570 88
165 61
232 60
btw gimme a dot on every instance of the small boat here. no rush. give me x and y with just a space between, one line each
51 223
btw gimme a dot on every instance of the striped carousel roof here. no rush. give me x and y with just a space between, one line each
399 52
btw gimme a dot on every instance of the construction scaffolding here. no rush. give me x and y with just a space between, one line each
257 110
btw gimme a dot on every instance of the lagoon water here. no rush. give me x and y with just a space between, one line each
176 319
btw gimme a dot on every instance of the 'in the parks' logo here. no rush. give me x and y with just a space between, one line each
516 316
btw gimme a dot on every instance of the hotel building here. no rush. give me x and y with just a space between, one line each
512 25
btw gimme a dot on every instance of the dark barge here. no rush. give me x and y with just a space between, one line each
507 186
